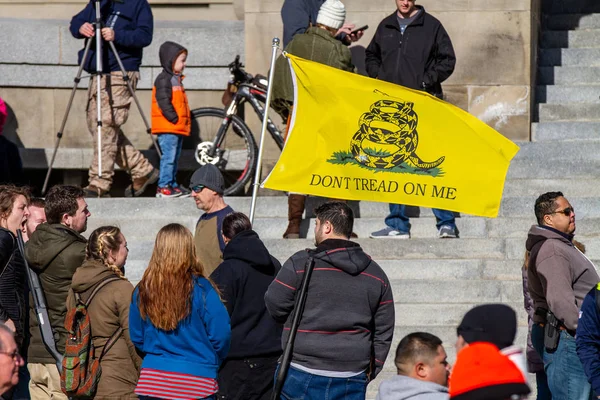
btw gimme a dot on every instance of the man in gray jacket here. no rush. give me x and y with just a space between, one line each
559 277
348 322
422 367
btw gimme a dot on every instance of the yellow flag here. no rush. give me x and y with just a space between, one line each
357 138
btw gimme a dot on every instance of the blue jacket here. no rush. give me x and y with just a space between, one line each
588 339
297 15
196 347
133 24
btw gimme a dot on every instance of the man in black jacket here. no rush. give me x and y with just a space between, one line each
243 277
348 321
411 48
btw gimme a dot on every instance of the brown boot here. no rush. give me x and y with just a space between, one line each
140 184
295 211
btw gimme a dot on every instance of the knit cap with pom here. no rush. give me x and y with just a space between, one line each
332 14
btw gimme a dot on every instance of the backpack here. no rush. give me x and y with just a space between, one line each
80 366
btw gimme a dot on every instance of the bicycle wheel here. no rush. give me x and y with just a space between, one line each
236 157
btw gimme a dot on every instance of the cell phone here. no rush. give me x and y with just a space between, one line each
362 28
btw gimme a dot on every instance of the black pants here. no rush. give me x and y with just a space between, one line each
247 379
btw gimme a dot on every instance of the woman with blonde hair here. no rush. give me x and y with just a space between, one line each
178 321
106 254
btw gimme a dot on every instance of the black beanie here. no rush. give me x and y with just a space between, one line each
210 176
492 323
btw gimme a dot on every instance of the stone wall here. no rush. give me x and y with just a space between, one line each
492 40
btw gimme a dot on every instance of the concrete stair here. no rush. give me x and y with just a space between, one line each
568 93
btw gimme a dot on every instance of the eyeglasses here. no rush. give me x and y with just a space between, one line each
198 188
567 211
13 354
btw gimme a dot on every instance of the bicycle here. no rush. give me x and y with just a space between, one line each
235 154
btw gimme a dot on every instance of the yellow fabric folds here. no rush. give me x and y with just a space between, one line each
357 138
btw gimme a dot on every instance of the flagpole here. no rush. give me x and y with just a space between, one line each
261 144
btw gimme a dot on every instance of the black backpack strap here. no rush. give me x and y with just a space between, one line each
598 297
111 341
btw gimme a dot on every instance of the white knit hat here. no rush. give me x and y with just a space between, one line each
332 14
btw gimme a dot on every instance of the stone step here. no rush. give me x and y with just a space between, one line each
570 7
569 112
568 76
569 57
562 22
551 131
585 38
574 92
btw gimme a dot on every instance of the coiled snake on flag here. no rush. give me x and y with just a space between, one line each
389 123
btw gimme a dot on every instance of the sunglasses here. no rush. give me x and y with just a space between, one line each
567 211
198 188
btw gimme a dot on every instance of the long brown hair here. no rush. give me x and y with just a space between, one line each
165 291
101 242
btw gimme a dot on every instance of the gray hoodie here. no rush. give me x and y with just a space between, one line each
402 387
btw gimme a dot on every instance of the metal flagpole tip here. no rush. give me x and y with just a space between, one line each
276 42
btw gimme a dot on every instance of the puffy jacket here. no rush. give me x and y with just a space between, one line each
199 343
243 277
13 283
170 108
588 339
133 24
348 321
422 55
54 252
109 311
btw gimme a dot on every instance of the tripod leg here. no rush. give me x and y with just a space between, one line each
99 69
59 134
137 102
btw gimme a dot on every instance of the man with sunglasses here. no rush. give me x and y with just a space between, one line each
10 360
559 278
207 186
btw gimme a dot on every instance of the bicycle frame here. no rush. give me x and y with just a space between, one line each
256 97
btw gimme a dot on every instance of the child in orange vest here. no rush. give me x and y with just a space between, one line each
171 119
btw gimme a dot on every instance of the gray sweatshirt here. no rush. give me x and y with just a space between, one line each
561 276
402 387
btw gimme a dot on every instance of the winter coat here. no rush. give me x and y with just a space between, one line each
243 277
11 166
421 58
13 283
170 108
534 362
317 45
588 338
109 311
133 24
54 252
348 321
199 343
297 16
561 277
402 387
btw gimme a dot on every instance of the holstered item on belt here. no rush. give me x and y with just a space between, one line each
551 332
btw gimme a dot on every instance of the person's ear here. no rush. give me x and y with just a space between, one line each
66 219
421 370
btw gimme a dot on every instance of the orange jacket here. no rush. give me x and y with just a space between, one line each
170 108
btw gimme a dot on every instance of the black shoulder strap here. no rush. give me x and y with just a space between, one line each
598 297
12 254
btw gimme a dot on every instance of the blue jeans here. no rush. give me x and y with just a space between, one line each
566 378
300 385
170 147
399 221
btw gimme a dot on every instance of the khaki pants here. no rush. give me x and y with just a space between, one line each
45 382
115 103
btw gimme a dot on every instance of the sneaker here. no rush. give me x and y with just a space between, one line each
140 184
167 191
388 232
183 192
91 191
447 232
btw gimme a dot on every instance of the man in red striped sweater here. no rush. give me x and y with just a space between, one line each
348 321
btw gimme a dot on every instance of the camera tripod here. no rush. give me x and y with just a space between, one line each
98 73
